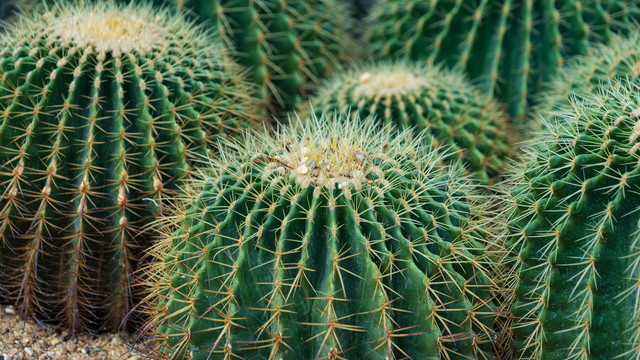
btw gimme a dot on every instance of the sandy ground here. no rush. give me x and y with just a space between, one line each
20 340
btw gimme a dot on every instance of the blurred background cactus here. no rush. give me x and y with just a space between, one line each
336 239
572 227
360 8
8 8
288 46
416 96
510 48
102 108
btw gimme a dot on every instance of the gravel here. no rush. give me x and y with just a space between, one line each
27 340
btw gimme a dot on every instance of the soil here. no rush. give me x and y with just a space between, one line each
28 340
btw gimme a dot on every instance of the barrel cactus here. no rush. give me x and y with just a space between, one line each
572 222
288 46
330 240
509 47
102 108
417 96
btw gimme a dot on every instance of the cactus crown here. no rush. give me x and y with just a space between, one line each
326 153
388 83
108 29
413 95
331 239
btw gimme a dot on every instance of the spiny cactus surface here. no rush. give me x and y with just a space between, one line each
329 241
510 47
289 46
586 74
102 107
407 95
572 217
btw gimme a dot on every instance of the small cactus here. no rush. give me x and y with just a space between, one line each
406 95
102 107
572 227
335 239
288 46
510 47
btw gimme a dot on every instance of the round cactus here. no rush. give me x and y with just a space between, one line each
456 114
288 46
333 239
102 107
509 47
573 233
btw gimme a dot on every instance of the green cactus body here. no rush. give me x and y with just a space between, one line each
585 74
102 107
456 114
330 240
288 46
573 219
510 47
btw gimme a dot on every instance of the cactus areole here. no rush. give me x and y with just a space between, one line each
102 107
573 228
407 95
330 240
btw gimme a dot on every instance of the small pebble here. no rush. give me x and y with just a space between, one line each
10 310
28 351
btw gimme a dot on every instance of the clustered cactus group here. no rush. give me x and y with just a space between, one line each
387 213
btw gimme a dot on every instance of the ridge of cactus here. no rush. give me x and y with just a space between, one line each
102 108
288 46
509 47
571 228
331 239
417 96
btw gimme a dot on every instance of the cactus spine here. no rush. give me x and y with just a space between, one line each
406 95
573 233
509 46
330 240
102 108
288 46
